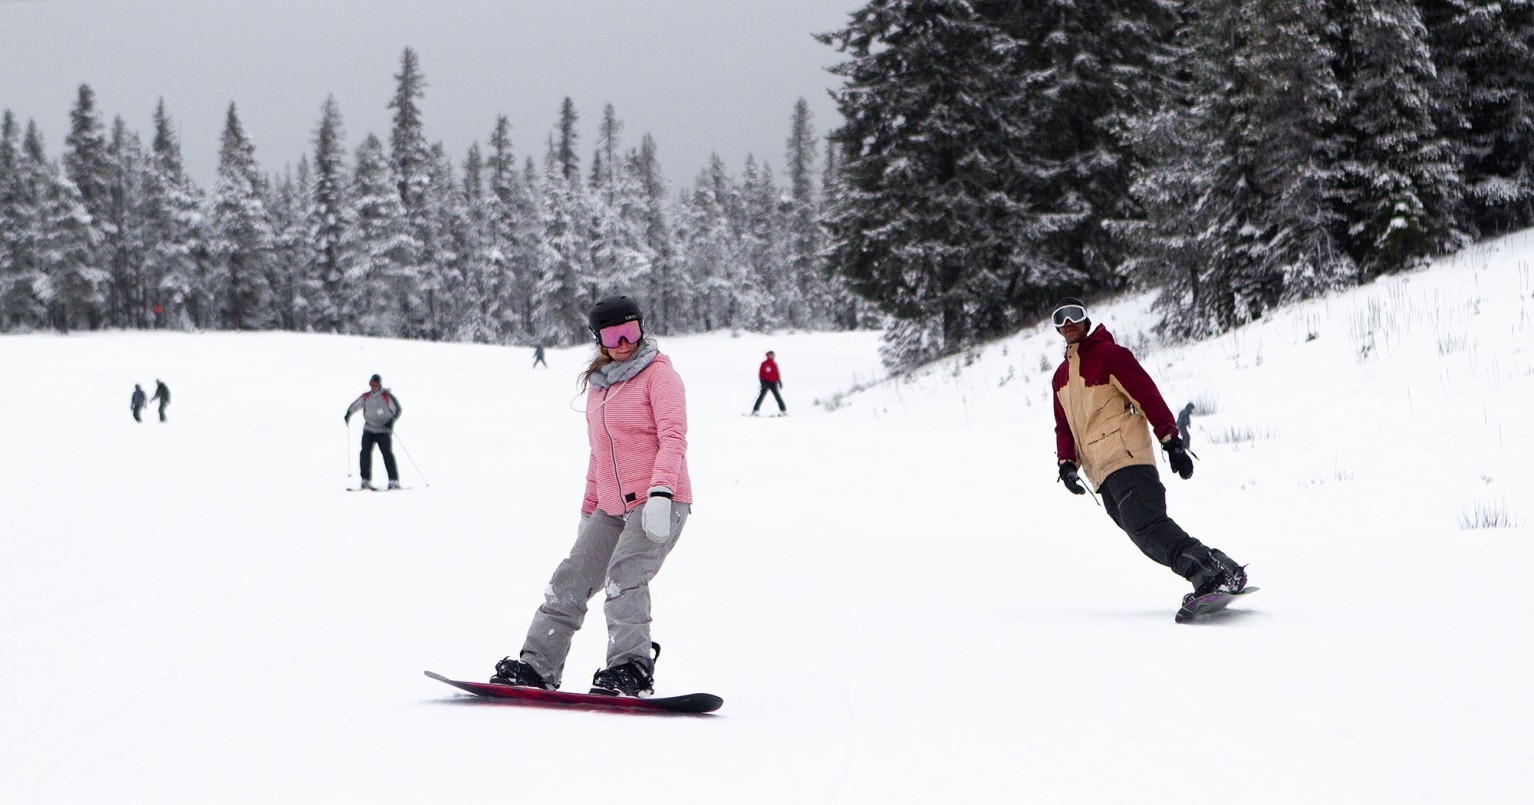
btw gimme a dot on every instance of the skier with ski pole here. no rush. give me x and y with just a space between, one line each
637 499
380 411
1106 408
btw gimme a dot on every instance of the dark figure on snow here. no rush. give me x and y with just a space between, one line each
380 410
161 393
538 357
1106 407
771 381
136 402
1185 425
637 500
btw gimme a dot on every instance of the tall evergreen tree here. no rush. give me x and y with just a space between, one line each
1484 55
935 223
174 240
242 239
384 282
1089 66
60 243
807 307
25 287
566 159
1402 178
88 166
333 220
124 230
655 215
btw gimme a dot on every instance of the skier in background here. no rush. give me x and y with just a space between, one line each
772 380
638 497
1185 425
136 402
538 357
1105 409
380 410
161 393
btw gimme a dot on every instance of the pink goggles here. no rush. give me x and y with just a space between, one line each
614 336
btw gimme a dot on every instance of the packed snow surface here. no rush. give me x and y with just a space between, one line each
893 595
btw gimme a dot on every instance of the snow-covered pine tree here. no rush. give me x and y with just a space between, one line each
442 288
241 238
1288 107
1089 65
567 281
24 287
655 214
124 230
1484 54
297 290
61 241
1401 176
174 239
765 294
88 166
382 285
620 256
332 222
515 237
414 165
807 306
935 222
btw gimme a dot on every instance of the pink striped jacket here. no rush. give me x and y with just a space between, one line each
638 434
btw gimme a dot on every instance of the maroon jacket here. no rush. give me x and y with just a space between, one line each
1105 407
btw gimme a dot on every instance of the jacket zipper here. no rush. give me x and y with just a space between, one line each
612 451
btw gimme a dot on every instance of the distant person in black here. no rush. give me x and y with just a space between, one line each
137 402
161 393
538 357
1184 423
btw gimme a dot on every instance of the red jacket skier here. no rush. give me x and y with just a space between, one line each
771 381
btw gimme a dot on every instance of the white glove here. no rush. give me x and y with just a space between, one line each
656 517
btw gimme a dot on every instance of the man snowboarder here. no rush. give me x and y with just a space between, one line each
1106 408
161 393
380 410
136 402
771 381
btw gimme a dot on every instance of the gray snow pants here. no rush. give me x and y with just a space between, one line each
612 554
1136 500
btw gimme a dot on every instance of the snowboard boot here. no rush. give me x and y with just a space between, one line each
1219 574
631 678
516 672
395 485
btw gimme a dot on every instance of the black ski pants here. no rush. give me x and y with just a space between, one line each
767 386
385 442
1136 500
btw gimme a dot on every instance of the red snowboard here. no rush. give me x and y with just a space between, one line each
689 703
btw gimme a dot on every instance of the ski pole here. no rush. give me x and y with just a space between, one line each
347 452
406 451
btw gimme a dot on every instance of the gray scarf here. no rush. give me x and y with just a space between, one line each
615 372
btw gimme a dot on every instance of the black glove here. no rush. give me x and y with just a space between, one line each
1178 457
1071 480
348 419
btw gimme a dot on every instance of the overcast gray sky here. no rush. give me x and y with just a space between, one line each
700 76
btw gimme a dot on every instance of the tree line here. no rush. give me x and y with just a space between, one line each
991 156
394 239
1233 155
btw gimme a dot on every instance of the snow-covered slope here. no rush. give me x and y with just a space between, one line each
895 598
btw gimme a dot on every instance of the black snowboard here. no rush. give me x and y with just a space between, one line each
689 703
1206 604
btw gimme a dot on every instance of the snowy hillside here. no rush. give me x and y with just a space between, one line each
894 597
